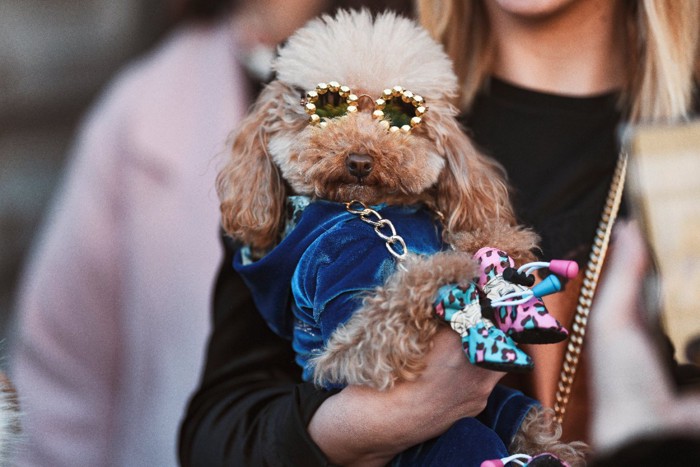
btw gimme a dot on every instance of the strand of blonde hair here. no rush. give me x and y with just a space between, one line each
663 53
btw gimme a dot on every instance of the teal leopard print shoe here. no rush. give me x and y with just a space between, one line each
484 344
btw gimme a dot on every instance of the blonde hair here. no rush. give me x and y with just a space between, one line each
663 40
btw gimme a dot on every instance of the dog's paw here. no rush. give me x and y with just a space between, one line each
541 433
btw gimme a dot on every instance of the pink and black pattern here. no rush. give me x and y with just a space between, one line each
545 459
527 322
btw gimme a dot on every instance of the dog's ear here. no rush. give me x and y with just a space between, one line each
250 188
472 191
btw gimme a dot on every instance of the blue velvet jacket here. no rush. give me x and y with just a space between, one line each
315 278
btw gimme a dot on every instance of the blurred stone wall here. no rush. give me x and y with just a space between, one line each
55 56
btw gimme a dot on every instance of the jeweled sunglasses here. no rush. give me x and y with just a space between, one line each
397 109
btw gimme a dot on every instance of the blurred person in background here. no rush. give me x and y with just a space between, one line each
546 85
639 417
113 309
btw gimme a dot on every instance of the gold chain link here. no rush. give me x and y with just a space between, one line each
394 242
588 288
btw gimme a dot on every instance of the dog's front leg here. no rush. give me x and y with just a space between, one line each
387 338
519 242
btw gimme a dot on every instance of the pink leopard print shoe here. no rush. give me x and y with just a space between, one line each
524 316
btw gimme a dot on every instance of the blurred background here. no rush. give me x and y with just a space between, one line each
55 56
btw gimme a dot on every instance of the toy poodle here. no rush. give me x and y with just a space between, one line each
369 219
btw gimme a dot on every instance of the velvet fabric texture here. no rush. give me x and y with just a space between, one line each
314 280
325 264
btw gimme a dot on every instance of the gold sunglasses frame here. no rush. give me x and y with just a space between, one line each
352 100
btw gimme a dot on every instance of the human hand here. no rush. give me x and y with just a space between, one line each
633 395
365 426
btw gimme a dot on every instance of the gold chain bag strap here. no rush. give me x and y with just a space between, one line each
588 288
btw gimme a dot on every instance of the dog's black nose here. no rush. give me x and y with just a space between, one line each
359 165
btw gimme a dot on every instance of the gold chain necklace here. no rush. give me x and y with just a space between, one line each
394 242
588 288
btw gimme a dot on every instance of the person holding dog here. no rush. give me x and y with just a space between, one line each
560 78
545 86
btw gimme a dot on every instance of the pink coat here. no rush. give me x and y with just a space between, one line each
114 309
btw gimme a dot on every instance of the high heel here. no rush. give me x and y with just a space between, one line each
516 306
545 459
484 344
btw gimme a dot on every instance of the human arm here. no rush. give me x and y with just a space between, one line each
365 426
251 409
361 425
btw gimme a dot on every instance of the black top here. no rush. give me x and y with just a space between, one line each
251 408
559 152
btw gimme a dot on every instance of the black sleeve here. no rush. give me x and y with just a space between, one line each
250 408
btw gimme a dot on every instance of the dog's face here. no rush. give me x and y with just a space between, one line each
360 154
336 141
376 74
